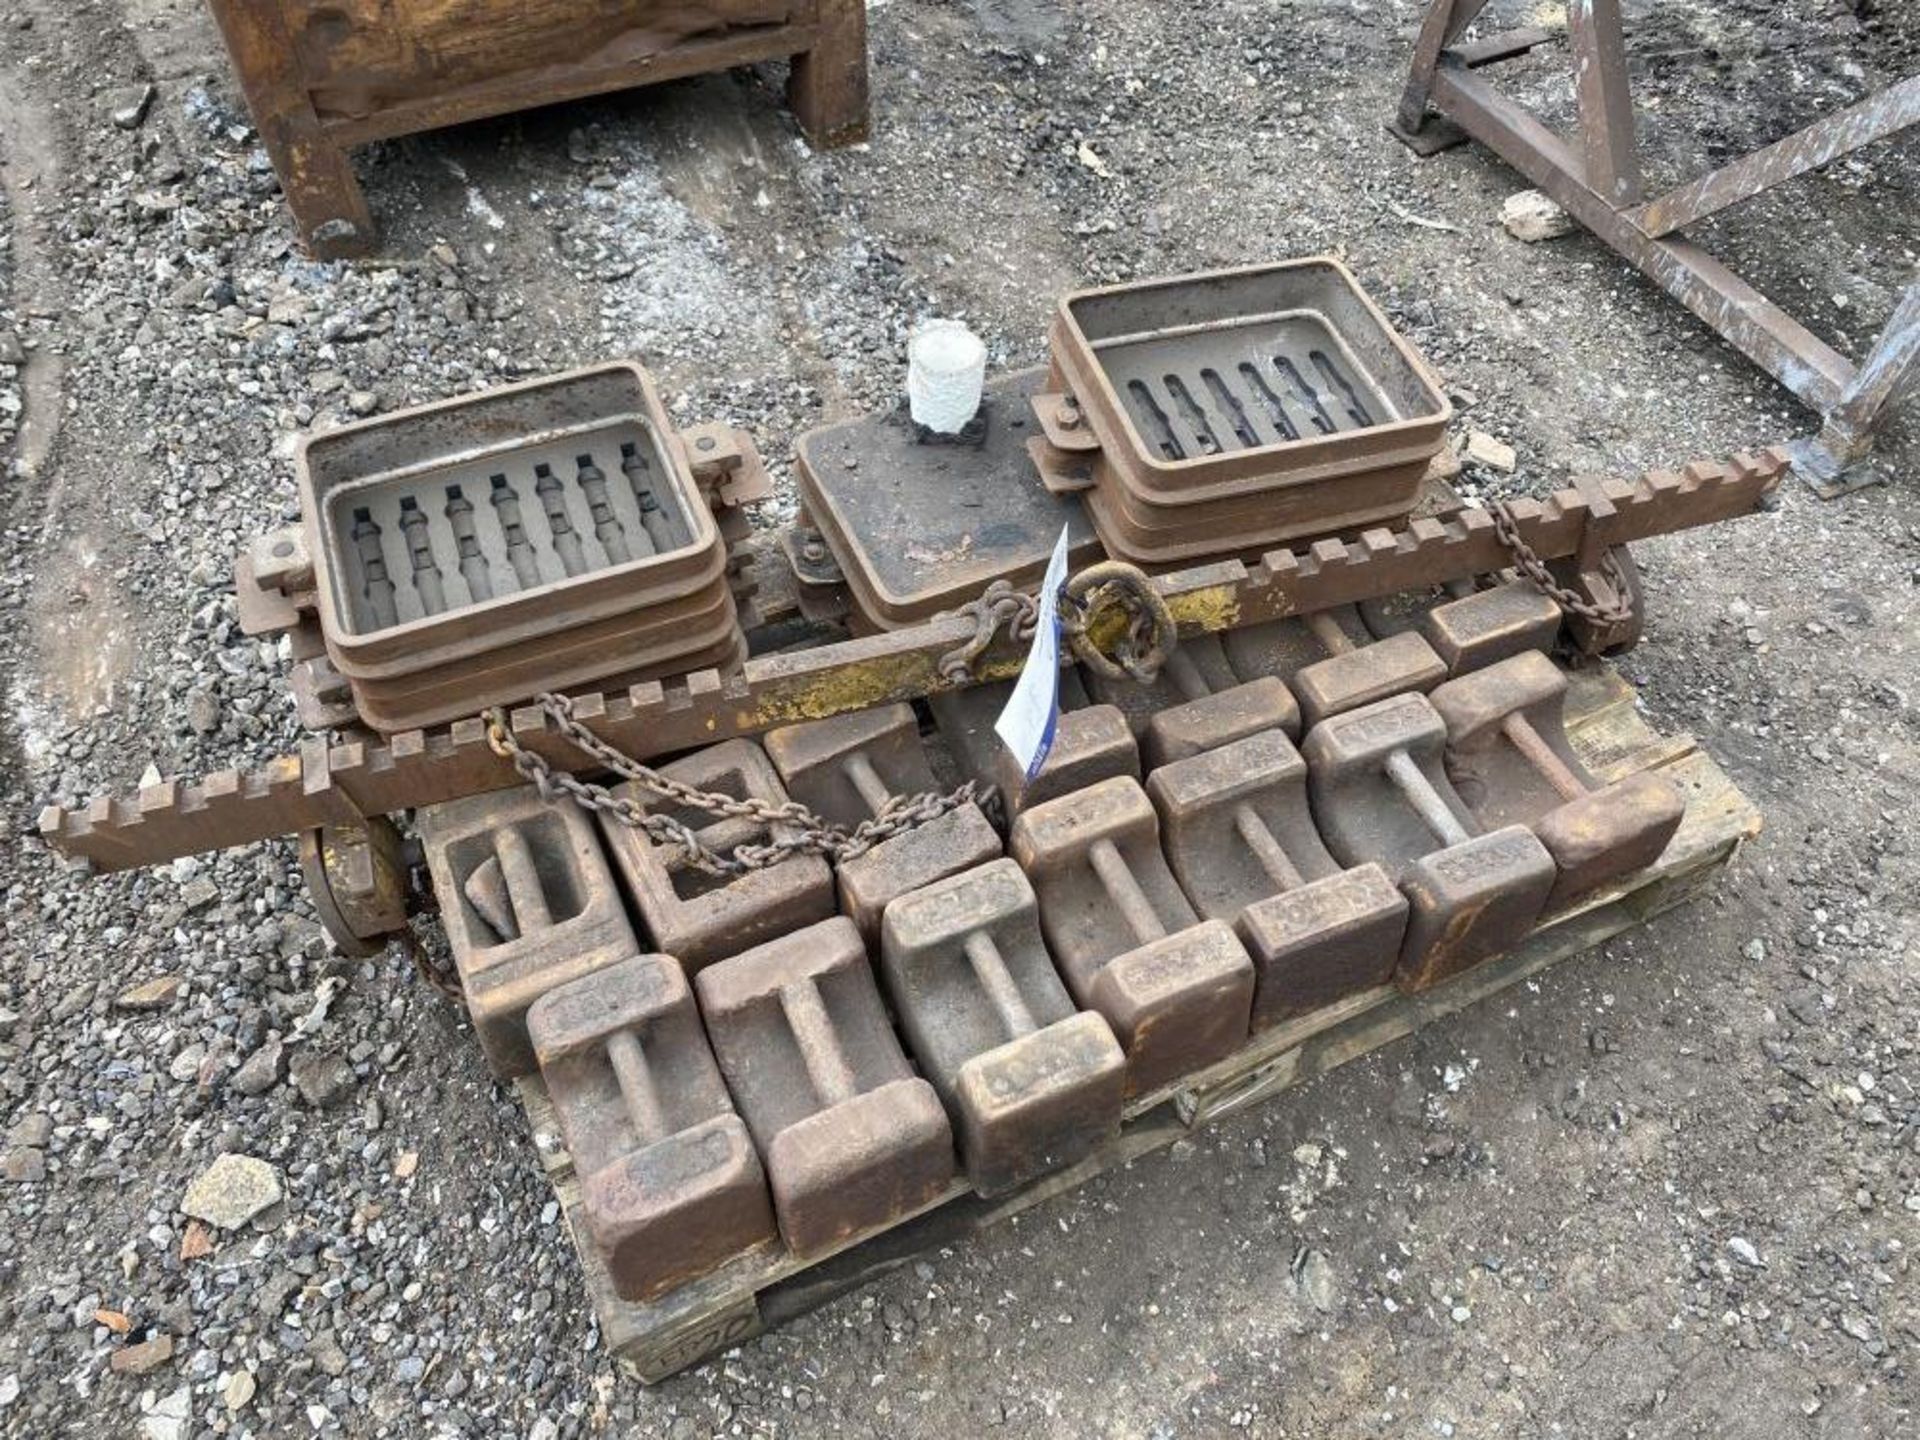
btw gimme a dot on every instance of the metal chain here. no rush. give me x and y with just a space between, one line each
793 829
1150 636
806 832
1528 562
446 979
999 604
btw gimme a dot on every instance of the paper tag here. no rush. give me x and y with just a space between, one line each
1027 725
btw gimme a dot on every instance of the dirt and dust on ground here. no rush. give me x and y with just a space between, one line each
1670 1189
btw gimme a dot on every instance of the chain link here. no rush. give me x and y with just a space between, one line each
999 604
793 828
1150 636
1528 562
444 979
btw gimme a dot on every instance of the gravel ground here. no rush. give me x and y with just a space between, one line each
1670 1189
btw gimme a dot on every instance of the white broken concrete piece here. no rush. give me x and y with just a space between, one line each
231 1191
1489 453
1532 217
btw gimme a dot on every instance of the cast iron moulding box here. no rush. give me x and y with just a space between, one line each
540 536
1221 412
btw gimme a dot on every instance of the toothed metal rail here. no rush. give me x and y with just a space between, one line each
344 781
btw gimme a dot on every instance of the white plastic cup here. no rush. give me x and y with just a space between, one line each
946 371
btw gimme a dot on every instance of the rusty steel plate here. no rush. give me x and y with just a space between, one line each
917 527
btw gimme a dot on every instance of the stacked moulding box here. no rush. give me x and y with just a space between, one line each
531 538
1218 414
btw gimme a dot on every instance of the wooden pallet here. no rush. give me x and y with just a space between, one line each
766 1286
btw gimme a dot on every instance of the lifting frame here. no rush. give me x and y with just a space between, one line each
1597 179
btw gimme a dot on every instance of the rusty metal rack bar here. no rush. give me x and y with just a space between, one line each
1597 178
346 780
764 1286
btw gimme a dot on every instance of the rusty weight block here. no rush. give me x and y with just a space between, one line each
1198 702
1332 663
1240 839
669 1182
1284 647
852 1139
1355 675
528 903
1176 990
1203 671
1470 628
1471 632
1508 757
1379 793
700 918
1032 1083
848 769
1090 743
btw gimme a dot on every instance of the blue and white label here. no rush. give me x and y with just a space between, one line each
1027 725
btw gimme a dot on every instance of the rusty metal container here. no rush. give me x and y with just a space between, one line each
1222 412
536 537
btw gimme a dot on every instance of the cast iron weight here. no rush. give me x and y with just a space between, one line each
1379 793
698 917
1090 743
852 1139
1331 661
1354 675
1031 1082
669 1182
1197 702
1240 839
529 904
1176 990
849 770
1470 628
1509 759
